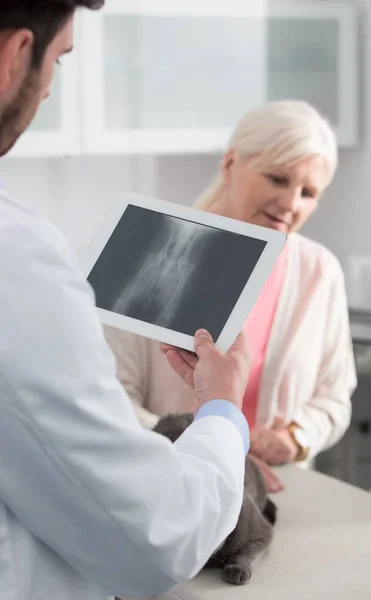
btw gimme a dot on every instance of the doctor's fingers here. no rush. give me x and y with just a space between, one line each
180 366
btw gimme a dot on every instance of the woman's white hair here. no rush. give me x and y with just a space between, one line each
278 134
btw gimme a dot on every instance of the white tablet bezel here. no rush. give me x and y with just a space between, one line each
234 325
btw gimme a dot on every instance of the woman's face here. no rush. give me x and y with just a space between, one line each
280 198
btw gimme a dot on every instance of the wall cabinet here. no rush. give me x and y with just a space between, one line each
173 77
313 56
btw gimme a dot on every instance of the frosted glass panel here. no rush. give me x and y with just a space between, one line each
49 117
170 71
303 62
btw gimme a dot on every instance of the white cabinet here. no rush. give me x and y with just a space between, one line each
56 129
313 56
173 76
169 76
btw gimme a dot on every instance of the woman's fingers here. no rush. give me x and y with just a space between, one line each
273 483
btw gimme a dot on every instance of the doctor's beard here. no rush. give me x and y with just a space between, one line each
17 115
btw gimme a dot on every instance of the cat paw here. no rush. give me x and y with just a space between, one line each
236 575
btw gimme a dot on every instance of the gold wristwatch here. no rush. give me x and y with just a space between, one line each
301 440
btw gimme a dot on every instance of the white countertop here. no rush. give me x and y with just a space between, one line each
321 549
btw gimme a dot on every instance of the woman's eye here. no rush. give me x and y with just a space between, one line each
307 194
277 180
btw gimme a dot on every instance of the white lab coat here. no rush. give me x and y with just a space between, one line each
91 504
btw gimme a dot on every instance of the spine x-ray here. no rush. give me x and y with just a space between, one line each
165 277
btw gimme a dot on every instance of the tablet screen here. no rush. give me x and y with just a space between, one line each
173 273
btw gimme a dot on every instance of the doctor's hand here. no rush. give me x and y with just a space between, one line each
212 374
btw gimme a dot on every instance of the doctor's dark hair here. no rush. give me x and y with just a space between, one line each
45 18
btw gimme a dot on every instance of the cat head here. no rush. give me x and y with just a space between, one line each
173 425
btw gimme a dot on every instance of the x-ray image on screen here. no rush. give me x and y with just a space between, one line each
173 273
156 291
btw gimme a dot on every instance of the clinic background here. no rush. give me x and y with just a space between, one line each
80 153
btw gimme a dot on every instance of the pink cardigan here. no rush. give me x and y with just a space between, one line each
258 327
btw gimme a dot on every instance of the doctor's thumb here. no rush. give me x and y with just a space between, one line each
204 343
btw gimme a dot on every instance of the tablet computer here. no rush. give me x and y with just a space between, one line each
163 271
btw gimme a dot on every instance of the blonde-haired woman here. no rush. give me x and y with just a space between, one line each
280 159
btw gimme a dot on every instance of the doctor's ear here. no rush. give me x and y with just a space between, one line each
15 56
228 162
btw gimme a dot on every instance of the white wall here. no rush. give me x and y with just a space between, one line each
77 192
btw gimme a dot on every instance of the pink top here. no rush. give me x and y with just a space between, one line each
258 327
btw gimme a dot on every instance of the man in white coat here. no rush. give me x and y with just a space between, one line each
92 505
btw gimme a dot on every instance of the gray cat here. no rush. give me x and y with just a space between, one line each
254 530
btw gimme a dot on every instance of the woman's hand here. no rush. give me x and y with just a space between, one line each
273 483
273 445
